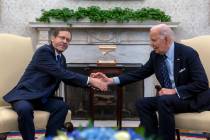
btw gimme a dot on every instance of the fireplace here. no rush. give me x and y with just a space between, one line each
104 103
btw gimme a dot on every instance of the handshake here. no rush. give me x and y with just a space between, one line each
100 81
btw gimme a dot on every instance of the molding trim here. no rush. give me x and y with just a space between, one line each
85 25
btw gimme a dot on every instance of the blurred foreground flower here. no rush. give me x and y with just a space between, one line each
99 134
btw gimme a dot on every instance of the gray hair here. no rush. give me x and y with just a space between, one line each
165 31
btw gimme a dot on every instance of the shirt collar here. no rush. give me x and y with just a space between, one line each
56 54
170 52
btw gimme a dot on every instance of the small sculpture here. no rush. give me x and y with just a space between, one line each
107 59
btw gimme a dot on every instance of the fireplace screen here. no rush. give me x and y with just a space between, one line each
104 103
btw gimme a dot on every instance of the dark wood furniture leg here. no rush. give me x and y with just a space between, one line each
92 108
119 107
3 136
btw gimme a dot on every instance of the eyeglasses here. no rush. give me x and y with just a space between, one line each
64 38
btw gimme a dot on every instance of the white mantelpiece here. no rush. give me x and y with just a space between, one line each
131 38
103 31
86 25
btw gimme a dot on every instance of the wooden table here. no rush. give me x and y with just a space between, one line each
113 70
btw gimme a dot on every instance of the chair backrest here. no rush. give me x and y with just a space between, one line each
202 45
15 54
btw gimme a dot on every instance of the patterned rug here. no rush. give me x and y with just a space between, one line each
185 135
190 135
16 135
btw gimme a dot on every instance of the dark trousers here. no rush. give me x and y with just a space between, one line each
166 106
24 108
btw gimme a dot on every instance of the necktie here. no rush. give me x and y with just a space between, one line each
164 72
59 60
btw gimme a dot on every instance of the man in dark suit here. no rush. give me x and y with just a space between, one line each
183 79
36 88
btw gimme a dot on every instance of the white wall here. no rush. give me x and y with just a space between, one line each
193 15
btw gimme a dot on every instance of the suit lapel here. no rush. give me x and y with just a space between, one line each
177 61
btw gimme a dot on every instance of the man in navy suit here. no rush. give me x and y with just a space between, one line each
36 88
183 79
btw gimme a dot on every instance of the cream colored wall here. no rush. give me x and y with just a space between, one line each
193 15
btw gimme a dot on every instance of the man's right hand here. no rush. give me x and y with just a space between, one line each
98 83
103 77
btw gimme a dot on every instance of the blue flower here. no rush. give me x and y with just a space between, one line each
99 134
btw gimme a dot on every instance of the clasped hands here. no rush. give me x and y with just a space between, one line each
100 81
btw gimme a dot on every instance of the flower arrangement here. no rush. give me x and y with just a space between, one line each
99 134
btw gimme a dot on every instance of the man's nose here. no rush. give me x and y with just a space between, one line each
65 40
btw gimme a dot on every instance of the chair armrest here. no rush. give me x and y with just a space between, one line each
158 88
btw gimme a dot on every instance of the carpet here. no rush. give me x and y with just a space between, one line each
16 135
185 135
191 135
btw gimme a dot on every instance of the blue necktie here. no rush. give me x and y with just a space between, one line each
59 60
164 72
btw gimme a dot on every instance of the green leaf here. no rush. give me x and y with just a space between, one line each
90 124
140 131
96 14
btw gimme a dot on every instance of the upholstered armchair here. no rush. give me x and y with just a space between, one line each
15 54
199 122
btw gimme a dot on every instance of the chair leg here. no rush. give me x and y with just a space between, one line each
3 136
207 135
69 127
178 134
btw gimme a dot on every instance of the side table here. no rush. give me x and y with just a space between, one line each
113 70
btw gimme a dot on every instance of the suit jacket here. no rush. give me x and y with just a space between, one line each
189 74
43 76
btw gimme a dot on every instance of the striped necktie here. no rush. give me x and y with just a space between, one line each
164 72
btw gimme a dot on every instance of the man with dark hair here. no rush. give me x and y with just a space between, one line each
182 77
36 88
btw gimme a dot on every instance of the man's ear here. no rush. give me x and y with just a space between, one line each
167 39
52 38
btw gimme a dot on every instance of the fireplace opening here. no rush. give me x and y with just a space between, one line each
104 103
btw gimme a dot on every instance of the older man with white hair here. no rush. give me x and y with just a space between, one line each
184 84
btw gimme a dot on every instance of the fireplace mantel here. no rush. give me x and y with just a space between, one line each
85 25
100 33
